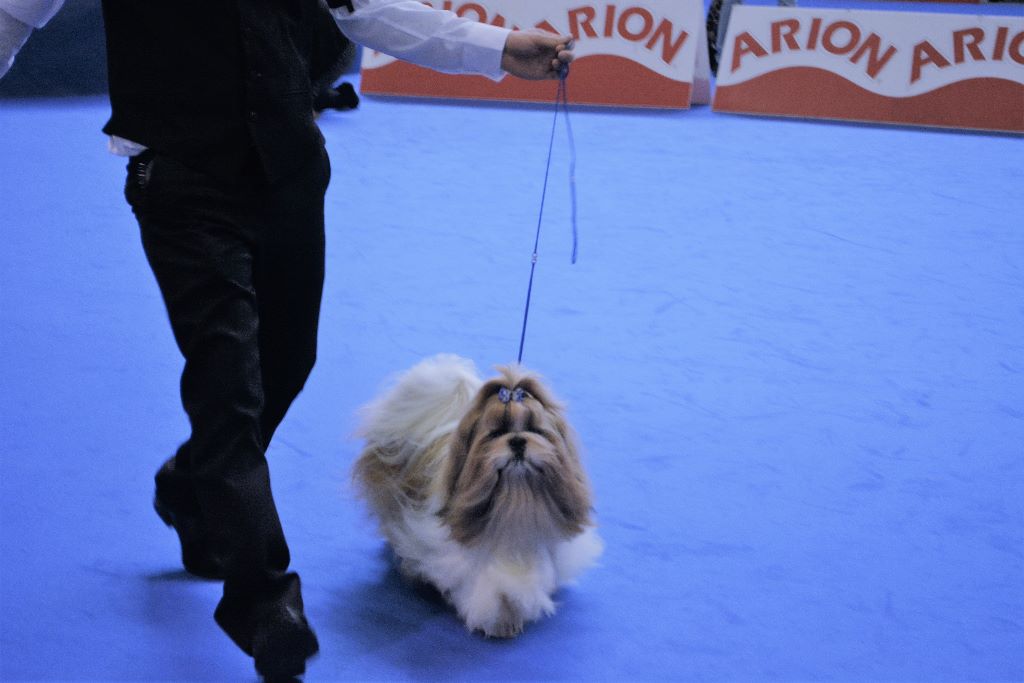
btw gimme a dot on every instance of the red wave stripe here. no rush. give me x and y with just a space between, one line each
596 79
980 103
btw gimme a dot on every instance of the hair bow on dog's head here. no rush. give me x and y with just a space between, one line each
505 395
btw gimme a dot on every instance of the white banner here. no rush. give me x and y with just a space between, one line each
967 69
650 53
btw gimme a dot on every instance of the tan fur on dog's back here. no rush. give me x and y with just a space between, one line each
389 488
408 431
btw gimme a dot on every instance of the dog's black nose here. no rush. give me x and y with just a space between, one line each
518 446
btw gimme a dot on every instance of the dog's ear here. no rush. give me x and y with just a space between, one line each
465 434
462 441
572 498
467 503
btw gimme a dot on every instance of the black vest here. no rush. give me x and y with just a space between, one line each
210 82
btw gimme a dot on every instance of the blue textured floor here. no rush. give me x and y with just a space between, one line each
794 352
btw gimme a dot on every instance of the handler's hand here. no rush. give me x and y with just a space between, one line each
535 55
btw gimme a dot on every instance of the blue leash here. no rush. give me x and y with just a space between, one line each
561 102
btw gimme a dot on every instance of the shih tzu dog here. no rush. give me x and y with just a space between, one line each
479 489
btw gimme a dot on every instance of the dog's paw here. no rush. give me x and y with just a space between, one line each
509 623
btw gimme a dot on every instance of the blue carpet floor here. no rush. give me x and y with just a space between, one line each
794 352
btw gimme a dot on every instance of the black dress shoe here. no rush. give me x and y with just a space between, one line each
281 646
271 627
175 503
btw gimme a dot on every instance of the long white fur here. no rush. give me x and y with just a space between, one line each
425 405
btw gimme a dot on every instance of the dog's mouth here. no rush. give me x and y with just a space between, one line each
519 464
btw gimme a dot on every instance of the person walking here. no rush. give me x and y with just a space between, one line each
212 103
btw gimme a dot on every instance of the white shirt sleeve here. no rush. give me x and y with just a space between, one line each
414 32
35 13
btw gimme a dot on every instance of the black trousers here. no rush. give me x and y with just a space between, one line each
240 266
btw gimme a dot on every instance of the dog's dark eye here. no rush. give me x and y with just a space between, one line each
541 433
533 428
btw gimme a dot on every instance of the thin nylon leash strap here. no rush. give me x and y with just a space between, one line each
561 101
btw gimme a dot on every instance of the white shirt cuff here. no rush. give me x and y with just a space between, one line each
32 12
13 34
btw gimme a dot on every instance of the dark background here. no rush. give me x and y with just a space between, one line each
68 56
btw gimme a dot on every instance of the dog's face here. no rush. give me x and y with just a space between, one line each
514 475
